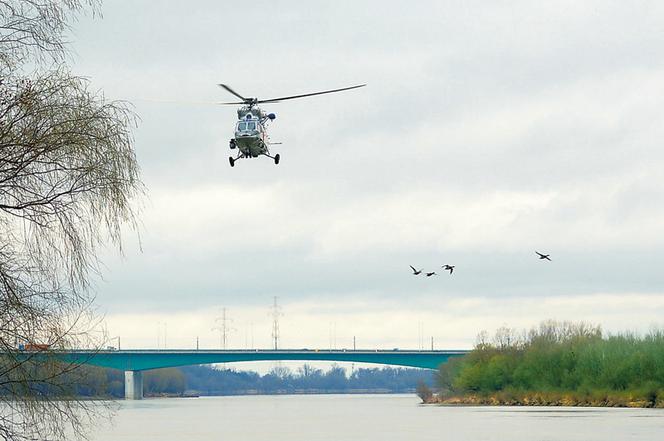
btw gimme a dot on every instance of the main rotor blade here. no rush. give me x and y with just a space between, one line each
146 100
274 100
233 92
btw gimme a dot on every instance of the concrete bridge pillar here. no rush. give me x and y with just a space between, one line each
133 385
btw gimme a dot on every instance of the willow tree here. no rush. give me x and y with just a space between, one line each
68 181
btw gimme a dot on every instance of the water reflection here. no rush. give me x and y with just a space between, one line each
371 418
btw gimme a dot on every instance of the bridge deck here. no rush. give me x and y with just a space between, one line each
144 359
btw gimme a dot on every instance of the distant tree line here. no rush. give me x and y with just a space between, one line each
306 379
576 359
207 380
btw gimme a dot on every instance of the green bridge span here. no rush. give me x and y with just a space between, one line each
134 361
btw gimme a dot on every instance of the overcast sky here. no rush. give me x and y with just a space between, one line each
488 130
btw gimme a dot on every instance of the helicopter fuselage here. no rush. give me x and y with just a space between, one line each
250 138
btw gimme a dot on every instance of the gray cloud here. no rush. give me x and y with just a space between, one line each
486 132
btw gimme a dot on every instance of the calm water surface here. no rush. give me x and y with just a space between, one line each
368 417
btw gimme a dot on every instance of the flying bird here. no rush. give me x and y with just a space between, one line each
449 268
431 274
415 272
543 256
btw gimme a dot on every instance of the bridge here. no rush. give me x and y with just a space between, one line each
134 362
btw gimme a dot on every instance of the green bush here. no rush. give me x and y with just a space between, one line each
565 358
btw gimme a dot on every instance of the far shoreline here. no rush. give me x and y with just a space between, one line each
545 399
253 393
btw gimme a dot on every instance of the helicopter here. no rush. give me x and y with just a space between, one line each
251 138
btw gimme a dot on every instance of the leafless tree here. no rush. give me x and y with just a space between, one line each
506 338
552 331
68 182
482 340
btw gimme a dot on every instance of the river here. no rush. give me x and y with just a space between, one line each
367 417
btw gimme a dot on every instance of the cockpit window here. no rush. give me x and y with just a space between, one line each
246 126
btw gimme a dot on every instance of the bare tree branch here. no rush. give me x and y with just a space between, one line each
68 182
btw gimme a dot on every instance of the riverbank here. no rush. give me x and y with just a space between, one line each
556 364
504 398
381 391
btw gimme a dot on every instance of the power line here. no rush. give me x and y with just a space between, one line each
162 330
275 312
223 327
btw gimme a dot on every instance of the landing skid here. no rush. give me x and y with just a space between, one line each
276 158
